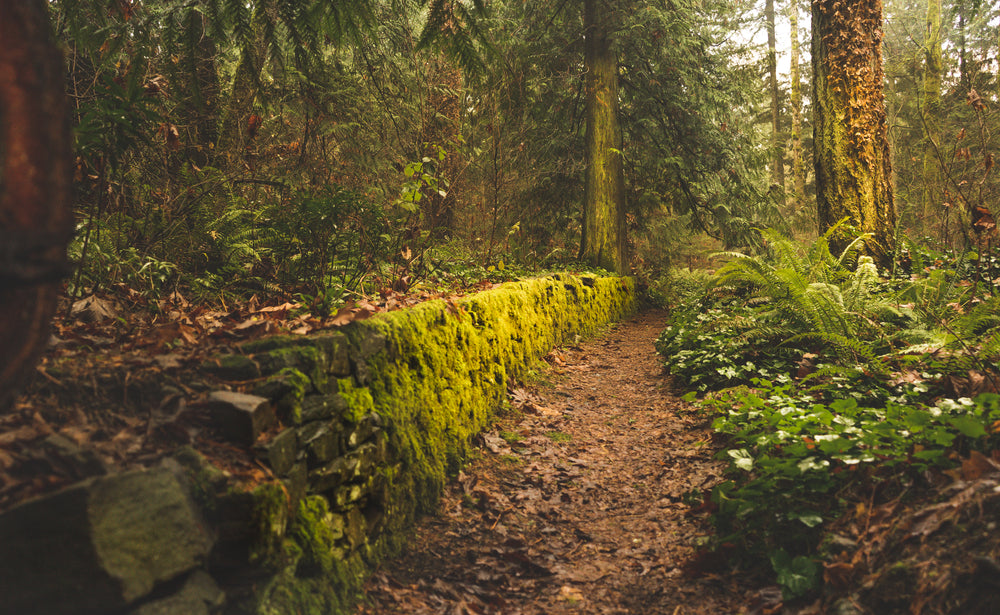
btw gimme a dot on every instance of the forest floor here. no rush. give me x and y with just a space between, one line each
576 503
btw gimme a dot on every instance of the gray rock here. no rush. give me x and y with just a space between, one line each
297 483
324 447
241 417
308 359
281 451
366 429
231 367
318 407
367 341
331 475
335 346
99 545
198 596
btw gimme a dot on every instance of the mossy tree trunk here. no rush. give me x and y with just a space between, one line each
798 167
931 111
36 172
851 148
603 242
777 150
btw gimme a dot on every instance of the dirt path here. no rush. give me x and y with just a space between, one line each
575 506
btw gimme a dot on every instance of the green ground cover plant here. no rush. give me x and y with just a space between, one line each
825 383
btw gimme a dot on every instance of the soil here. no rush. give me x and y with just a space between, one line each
577 502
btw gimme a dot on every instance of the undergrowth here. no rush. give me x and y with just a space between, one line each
826 383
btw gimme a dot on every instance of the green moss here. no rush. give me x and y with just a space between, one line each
287 389
511 437
316 534
310 360
558 436
270 520
359 400
436 374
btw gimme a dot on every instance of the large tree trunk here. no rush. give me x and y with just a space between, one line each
35 187
853 167
603 242
777 153
798 167
931 113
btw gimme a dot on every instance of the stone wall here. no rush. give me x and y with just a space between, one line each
356 432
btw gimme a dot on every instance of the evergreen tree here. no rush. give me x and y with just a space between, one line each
853 166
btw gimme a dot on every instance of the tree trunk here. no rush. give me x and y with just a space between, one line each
851 149
777 154
931 113
35 186
603 243
798 167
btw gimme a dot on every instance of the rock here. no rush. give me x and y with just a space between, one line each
198 596
367 341
318 407
362 374
356 530
281 451
307 359
297 483
324 447
288 382
241 417
99 545
231 367
366 429
79 462
93 309
329 476
335 347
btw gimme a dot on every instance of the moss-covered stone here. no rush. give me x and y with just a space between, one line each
310 360
336 347
270 520
320 407
359 400
317 530
235 367
287 389
281 451
403 392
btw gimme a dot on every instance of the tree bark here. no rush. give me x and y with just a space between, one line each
777 154
931 112
35 187
603 242
851 148
798 167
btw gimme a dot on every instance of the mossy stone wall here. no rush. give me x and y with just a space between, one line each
386 414
358 428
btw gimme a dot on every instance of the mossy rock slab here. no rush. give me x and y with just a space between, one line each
101 544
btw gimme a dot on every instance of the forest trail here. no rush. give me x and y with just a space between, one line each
576 504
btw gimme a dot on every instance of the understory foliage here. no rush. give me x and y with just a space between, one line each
322 150
828 382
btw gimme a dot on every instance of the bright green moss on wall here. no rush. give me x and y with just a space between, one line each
446 370
435 374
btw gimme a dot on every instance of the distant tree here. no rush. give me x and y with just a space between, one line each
798 167
853 166
603 242
931 118
777 150
35 179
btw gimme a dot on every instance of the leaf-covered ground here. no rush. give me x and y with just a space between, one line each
576 503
